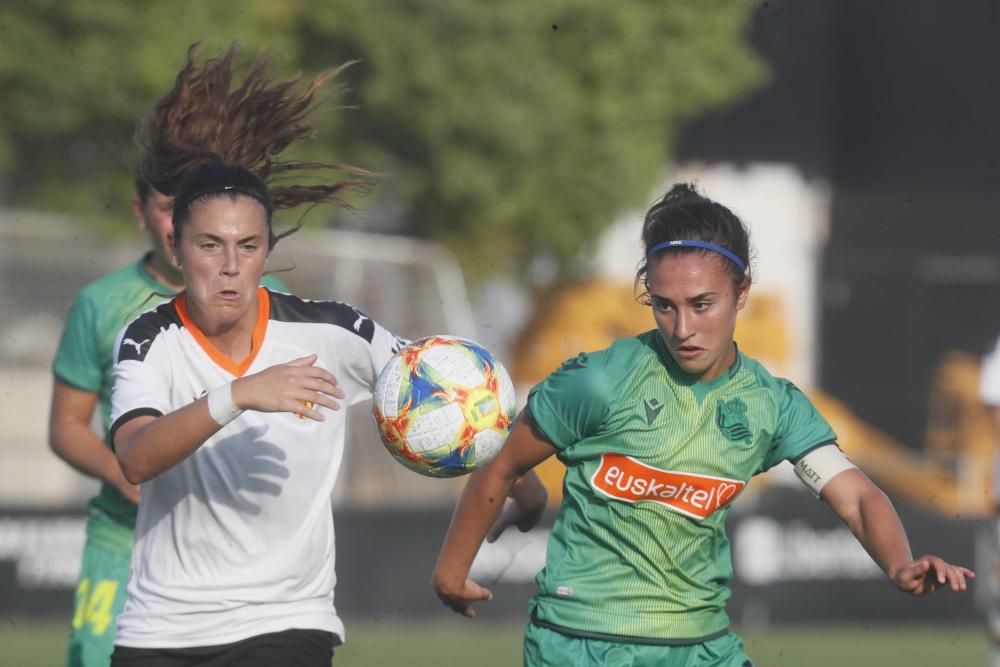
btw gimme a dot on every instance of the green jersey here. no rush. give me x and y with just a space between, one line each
85 354
653 460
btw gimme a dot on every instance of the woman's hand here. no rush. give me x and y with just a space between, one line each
929 573
459 597
528 500
298 386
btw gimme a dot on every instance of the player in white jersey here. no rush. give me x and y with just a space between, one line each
225 408
83 376
226 399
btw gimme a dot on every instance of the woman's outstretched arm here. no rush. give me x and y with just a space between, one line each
873 520
478 509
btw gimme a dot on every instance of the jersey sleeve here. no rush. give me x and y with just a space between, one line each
800 429
141 384
989 377
371 349
78 360
571 403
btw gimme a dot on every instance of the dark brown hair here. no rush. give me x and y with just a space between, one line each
682 214
204 119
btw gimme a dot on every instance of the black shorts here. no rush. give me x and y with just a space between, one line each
289 648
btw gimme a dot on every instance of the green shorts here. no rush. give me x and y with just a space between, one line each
547 648
100 593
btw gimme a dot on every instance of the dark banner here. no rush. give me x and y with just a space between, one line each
39 560
795 562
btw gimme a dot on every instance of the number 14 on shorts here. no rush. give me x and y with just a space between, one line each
94 605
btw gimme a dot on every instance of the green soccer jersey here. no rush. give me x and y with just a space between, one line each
85 354
653 461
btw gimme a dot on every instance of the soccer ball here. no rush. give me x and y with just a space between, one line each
443 406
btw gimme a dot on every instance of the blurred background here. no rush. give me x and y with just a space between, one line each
518 145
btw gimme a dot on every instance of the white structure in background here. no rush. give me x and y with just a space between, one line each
788 218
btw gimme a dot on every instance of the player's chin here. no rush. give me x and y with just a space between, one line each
694 368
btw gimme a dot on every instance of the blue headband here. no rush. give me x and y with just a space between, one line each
698 244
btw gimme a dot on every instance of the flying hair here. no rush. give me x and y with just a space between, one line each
208 118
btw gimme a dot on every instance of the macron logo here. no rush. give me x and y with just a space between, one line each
137 346
697 496
653 407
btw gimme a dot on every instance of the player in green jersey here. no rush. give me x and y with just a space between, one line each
83 380
659 433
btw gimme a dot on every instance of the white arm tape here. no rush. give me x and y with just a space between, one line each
221 406
821 465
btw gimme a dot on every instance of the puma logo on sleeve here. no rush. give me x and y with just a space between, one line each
138 346
361 318
142 332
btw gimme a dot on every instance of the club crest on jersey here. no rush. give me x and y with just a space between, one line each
731 418
693 495
579 361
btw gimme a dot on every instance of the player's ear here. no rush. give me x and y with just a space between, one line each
175 256
139 213
741 297
172 250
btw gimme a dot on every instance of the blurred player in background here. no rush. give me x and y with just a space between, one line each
83 380
989 391
659 433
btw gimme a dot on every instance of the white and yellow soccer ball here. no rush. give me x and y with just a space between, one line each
444 406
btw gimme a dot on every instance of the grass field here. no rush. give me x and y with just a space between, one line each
455 642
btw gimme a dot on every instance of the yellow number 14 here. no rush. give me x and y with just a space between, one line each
93 607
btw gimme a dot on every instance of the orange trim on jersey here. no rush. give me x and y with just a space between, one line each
260 327
693 495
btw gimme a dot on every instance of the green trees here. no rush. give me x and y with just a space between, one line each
504 129
75 77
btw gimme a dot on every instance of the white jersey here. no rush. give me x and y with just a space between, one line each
237 540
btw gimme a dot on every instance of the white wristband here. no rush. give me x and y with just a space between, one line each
221 406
